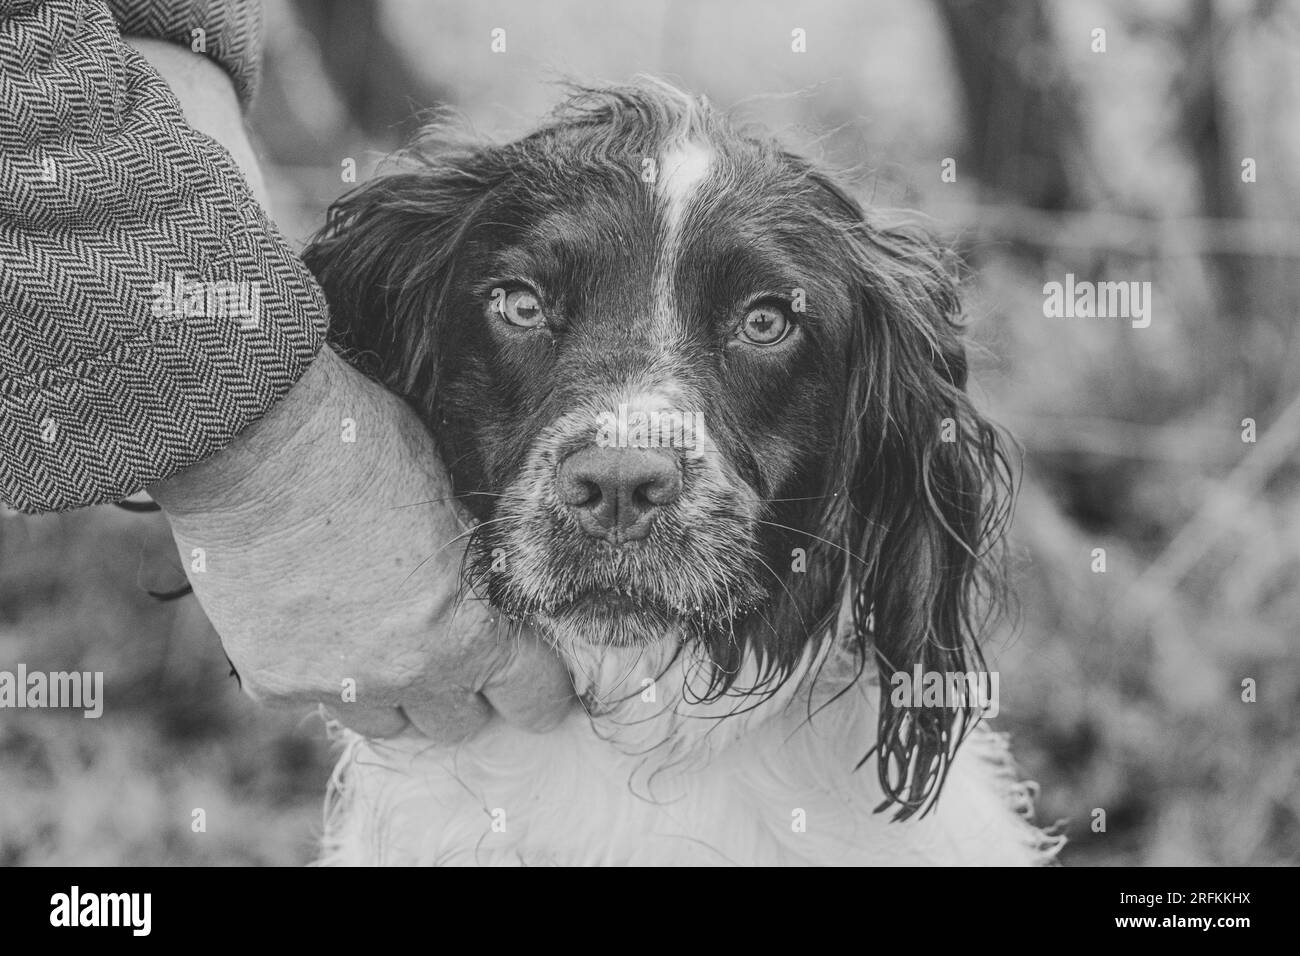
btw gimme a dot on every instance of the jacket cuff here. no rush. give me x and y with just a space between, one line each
149 310
227 31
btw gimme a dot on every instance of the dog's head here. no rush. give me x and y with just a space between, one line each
686 386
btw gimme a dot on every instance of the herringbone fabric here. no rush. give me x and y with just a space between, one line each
125 236
228 31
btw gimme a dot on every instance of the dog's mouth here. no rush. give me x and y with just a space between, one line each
694 577
692 594
609 602
598 604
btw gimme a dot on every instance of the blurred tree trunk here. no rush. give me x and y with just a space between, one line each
1244 289
1205 118
1205 125
367 71
1024 131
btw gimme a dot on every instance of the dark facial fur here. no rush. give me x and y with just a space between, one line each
641 230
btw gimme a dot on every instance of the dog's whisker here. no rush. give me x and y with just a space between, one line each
455 497
448 544
794 602
803 498
838 547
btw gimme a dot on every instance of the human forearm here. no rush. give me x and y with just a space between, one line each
109 198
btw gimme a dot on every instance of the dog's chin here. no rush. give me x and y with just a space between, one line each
578 595
610 619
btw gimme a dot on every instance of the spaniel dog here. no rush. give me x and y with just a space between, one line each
709 421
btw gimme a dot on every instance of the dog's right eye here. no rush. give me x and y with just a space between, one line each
519 307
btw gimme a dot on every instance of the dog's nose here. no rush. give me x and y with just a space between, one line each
614 492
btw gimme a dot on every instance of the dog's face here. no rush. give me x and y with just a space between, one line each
684 387
644 378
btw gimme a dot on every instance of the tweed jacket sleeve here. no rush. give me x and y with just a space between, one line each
149 310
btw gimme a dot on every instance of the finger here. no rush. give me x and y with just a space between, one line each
531 688
451 717
370 721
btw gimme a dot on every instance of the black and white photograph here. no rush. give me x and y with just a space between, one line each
752 433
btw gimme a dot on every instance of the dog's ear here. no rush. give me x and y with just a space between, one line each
929 489
385 260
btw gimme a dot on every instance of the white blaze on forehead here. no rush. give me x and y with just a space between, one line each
683 168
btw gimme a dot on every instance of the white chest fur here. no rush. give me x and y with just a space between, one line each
657 779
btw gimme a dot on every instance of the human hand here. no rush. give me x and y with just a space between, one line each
330 568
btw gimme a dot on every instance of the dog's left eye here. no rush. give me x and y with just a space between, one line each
519 307
764 325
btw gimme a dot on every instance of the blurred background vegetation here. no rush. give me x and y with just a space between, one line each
1123 689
